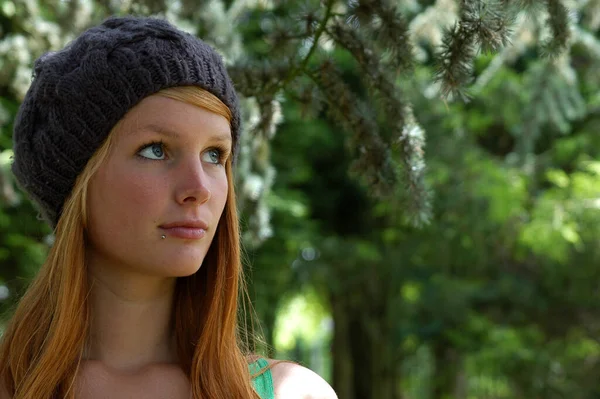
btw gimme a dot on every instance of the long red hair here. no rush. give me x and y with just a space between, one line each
42 347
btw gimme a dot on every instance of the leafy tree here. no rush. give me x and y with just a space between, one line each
496 294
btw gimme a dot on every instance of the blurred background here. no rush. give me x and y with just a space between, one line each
419 183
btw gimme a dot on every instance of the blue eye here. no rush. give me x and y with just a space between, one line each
156 151
214 156
153 150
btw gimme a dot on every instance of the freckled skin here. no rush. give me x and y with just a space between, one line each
130 196
160 382
136 190
150 178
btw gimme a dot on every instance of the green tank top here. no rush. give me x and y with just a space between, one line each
264 382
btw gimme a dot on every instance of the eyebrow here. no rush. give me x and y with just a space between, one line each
217 136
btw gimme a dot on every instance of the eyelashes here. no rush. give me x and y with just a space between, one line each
222 152
149 145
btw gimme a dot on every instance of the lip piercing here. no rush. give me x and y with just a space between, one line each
163 236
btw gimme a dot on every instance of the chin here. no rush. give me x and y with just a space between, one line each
185 272
181 262
178 269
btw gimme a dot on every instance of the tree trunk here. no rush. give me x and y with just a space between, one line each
361 352
343 371
382 363
461 387
364 364
397 386
269 327
445 368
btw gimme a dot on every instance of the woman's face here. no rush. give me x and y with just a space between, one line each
165 176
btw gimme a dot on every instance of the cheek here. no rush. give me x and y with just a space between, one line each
122 201
219 194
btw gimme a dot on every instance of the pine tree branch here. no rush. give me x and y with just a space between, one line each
553 103
482 26
374 161
589 41
506 55
258 78
454 62
264 78
390 31
411 144
486 26
559 25
379 83
301 67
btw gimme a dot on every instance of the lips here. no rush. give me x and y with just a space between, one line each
187 229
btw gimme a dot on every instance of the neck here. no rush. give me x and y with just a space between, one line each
130 326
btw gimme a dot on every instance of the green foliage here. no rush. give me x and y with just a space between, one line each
562 211
497 295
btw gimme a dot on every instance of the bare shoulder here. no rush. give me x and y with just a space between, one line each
292 381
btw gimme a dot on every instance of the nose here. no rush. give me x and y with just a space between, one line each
193 185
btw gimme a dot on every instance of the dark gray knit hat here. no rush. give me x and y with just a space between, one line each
79 93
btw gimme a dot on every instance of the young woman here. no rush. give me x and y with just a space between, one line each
126 141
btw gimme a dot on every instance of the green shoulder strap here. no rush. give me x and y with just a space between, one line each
264 382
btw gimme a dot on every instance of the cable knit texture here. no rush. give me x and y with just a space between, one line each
80 92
